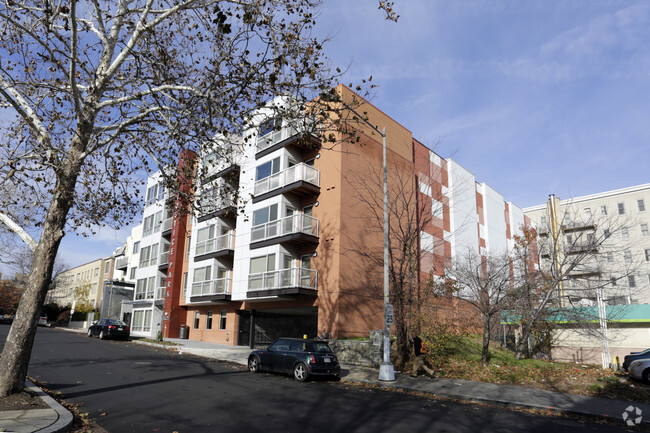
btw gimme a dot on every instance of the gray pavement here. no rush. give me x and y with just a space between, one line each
626 414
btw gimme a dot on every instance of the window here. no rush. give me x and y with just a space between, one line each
268 126
603 210
624 233
96 272
185 284
612 281
426 242
587 214
644 229
569 239
641 205
607 233
147 227
647 255
222 320
627 255
264 215
610 256
542 221
258 267
107 268
141 321
267 169
208 320
197 318
132 274
621 208
631 281
201 275
145 288
187 248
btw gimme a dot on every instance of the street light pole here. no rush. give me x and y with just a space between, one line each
386 370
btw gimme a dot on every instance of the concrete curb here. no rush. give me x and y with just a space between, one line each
64 419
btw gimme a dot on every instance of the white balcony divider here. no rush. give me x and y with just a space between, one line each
292 174
283 278
164 258
220 243
167 224
220 286
297 223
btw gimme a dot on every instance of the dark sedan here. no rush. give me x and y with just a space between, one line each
300 357
633 357
109 328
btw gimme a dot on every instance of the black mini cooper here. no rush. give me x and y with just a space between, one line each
300 357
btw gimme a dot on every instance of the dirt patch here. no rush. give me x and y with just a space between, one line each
22 401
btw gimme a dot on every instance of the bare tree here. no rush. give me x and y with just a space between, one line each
585 263
102 91
484 282
409 215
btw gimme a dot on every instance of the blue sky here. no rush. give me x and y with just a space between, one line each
533 97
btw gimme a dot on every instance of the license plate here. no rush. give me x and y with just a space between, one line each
327 359
121 328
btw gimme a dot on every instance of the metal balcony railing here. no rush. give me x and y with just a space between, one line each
292 174
220 243
298 223
284 278
274 137
220 286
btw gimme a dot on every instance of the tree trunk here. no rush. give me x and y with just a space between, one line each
521 350
485 352
18 347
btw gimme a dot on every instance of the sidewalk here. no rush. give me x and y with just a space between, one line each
57 418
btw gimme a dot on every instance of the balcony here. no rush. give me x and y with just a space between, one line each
221 246
156 295
581 247
297 229
291 281
212 205
286 137
575 226
122 263
217 291
163 261
167 226
300 179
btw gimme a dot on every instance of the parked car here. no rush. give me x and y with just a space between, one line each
640 369
301 357
42 320
110 328
633 357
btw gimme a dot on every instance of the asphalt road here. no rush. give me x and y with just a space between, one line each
127 387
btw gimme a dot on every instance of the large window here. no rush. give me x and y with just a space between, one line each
267 169
644 229
641 205
264 215
261 274
149 256
141 321
145 288
621 208
197 318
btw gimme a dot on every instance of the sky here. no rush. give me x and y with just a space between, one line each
533 97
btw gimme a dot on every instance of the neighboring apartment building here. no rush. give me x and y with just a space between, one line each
279 242
609 234
89 278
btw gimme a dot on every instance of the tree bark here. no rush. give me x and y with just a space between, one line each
18 347
485 352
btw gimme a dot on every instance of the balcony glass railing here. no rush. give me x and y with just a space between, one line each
220 286
283 278
212 203
164 259
223 242
292 174
121 262
298 223
274 137
167 224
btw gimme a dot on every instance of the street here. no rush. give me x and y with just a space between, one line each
128 387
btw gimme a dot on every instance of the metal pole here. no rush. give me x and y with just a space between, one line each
386 370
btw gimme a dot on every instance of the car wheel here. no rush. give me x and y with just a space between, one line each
90 333
646 375
102 336
300 372
254 364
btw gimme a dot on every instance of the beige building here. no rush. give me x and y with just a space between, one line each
89 277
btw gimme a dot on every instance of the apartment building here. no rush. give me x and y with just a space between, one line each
282 237
82 283
604 239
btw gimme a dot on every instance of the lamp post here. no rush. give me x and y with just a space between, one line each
386 370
